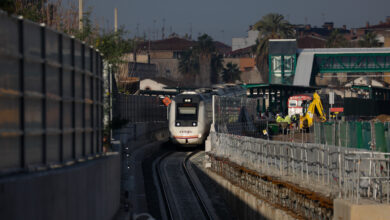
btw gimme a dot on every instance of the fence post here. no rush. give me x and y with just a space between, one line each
307 164
339 132
61 94
339 154
346 133
44 93
373 136
388 176
334 134
22 97
328 167
358 181
213 109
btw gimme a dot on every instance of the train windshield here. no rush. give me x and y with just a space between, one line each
293 103
187 112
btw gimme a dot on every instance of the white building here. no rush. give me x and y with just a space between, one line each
244 42
156 85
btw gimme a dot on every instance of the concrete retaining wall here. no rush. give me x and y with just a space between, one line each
246 205
133 142
88 190
148 131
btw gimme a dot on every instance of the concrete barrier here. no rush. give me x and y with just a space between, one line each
88 190
345 210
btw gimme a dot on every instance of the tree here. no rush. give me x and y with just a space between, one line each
370 39
271 26
201 64
205 48
188 62
336 39
189 66
216 67
114 45
231 73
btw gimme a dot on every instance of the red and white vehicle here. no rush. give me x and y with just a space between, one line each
294 104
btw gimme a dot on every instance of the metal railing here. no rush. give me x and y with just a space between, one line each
330 170
51 103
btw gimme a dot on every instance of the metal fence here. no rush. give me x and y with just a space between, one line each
369 135
50 97
351 174
238 115
334 171
136 108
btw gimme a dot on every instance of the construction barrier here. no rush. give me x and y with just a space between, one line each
368 135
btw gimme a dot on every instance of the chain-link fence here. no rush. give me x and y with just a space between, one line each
243 116
135 108
369 135
238 116
330 170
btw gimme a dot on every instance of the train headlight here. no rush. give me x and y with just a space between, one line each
194 124
178 124
199 135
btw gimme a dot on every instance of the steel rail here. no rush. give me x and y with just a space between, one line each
163 191
195 189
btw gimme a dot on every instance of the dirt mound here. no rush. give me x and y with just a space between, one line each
382 118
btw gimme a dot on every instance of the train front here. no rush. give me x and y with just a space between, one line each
186 126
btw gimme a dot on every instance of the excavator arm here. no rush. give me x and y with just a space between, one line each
307 119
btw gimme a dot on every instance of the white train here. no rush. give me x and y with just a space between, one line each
190 113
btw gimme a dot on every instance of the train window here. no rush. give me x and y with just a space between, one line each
185 112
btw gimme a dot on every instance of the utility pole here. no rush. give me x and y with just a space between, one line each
163 30
190 31
116 19
80 15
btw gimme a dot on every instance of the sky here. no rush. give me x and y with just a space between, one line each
225 19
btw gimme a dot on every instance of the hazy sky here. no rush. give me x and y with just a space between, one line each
224 19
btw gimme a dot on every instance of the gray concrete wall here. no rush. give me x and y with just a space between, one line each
87 190
246 205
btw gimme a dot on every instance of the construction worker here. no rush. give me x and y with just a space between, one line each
295 120
287 119
279 118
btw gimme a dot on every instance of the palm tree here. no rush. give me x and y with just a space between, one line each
189 67
231 73
336 39
216 67
205 48
370 39
202 64
188 62
271 26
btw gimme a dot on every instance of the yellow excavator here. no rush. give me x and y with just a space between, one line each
306 120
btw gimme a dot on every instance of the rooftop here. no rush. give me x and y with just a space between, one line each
173 44
179 44
311 42
346 50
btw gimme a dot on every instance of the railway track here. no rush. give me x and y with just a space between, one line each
180 195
